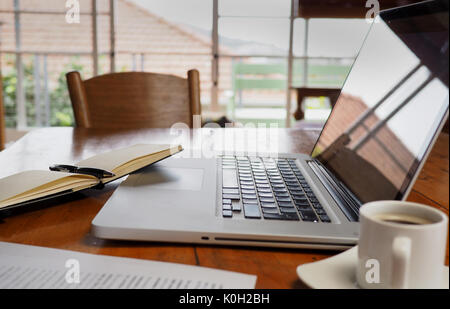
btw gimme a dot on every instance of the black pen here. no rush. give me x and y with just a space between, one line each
99 173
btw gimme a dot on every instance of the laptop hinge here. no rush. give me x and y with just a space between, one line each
347 201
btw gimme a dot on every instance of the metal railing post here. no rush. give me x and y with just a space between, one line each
37 90
20 89
215 59
290 63
46 93
112 34
94 38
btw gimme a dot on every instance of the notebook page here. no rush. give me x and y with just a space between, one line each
32 267
18 184
113 159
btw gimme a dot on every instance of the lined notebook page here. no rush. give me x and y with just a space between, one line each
32 267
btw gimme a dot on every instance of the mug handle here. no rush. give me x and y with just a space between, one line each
401 256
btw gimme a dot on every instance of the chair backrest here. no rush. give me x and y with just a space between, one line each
134 100
2 118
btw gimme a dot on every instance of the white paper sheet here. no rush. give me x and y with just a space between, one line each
29 267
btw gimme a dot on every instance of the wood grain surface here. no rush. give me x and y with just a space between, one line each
65 223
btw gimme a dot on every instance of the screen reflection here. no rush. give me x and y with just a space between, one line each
390 108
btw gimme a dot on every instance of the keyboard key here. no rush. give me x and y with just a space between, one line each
260 177
232 196
288 174
251 211
288 210
299 196
229 178
269 210
226 201
236 207
269 205
277 182
285 204
281 194
230 191
245 174
248 187
245 169
293 179
291 217
263 194
281 190
250 201
246 191
267 200
249 196
298 201
283 199
274 176
303 207
226 207
308 215
321 212
227 213
263 185
257 169
264 190
324 218
317 206
297 187
246 183
291 183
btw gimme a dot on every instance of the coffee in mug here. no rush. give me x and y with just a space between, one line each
402 219
401 245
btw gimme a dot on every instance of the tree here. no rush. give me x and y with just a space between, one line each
61 113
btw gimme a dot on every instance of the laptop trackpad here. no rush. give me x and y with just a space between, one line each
168 178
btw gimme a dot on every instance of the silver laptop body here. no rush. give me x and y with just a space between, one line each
391 110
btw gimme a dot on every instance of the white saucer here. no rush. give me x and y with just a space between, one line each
339 272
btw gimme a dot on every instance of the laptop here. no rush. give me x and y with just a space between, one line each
393 106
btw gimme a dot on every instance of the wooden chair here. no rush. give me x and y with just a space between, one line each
2 118
134 100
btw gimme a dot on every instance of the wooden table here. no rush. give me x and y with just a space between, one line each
67 225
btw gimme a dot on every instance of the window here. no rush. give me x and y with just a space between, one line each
37 47
253 50
242 49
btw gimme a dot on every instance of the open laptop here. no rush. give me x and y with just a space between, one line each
392 107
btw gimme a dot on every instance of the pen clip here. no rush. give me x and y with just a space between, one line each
99 173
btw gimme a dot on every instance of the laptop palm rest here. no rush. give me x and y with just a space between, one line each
167 178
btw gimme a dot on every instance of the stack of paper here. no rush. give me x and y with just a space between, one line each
28 267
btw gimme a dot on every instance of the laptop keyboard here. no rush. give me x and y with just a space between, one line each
267 188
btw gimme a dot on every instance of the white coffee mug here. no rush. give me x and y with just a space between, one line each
402 245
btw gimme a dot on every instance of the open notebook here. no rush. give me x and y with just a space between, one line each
32 186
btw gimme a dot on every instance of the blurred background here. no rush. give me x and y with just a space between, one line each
253 55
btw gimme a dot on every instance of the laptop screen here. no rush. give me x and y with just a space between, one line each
392 104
